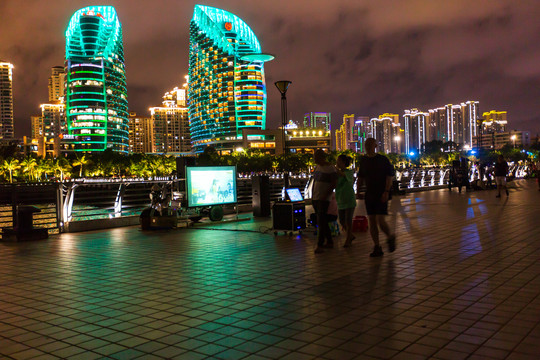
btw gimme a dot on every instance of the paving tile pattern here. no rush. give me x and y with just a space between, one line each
464 283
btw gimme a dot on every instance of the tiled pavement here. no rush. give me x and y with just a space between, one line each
463 283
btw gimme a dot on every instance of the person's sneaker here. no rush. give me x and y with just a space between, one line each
506 192
377 251
328 246
319 250
391 243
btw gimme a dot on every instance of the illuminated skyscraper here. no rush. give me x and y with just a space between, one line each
57 83
47 128
141 134
96 94
455 123
437 128
386 130
6 100
352 133
171 124
414 125
227 88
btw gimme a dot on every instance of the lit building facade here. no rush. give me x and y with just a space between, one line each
471 117
57 83
386 131
96 93
227 86
48 129
6 101
307 140
494 122
414 127
352 133
344 130
496 141
141 134
171 130
318 120
455 123
437 128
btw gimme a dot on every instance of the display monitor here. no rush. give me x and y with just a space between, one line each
294 194
210 185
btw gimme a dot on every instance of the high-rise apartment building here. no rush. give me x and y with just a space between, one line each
471 117
53 119
141 134
343 134
386 131
96 93
227 88
494 122
415 128
48 129
171 131
362 130
455 123
57 83
437 128
36 126
6 101
352 133
318 120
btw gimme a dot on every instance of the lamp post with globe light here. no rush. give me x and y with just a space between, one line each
514 137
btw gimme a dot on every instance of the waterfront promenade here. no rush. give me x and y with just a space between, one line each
464 283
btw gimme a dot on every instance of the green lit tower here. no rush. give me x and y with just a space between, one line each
227 90
96 95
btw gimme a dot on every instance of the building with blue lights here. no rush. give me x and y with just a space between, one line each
96 94
227 88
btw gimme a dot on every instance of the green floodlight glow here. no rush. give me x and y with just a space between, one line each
96 91
226 79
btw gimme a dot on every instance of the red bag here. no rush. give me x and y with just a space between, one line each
360 224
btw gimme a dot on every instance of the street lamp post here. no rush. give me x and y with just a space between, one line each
282 86
513 137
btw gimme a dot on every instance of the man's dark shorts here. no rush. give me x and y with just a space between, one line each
374 206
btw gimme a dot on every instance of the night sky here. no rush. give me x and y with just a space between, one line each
361 57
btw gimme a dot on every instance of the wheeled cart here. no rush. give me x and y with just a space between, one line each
289 216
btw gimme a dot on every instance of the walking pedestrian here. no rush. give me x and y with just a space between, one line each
501 171
377 173
325 179
345 196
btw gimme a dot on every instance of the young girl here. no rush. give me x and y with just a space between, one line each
345 196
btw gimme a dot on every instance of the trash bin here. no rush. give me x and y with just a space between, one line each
25 217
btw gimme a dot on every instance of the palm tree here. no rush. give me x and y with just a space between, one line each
61 165
10 166
81 161
29 166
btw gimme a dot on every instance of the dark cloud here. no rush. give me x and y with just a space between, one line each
345 56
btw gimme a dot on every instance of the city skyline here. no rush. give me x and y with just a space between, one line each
340 57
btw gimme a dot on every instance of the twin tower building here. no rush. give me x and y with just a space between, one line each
226 84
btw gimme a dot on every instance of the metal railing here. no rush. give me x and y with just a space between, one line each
94 199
